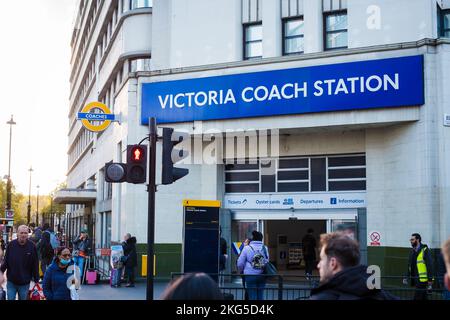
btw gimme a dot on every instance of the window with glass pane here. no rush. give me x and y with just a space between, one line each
446 24
135 4
336 31
293 36
253 41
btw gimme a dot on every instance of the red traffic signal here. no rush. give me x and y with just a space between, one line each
137 153
136 164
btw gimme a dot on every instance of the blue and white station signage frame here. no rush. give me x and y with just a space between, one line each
359 85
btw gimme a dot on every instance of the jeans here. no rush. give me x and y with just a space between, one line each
255 287
129 272
13 289
79 262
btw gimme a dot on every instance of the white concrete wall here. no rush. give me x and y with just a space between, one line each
385 21
188 33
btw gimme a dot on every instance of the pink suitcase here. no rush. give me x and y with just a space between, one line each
91 277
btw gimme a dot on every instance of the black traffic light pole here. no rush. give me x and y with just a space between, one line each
153 137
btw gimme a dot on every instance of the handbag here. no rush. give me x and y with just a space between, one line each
36 293
74 293
269 268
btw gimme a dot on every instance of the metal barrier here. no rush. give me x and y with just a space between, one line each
298 287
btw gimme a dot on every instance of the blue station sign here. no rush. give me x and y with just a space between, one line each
359 85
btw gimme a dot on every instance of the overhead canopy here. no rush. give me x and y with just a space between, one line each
75 196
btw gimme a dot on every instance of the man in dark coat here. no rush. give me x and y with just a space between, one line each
341 275
129 251
309 252
21 262
421 282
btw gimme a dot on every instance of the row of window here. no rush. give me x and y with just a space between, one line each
297 174
105 38
335 35
81 142
133 65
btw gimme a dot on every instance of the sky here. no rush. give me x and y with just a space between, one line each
34 87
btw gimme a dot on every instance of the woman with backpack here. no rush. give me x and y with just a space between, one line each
251 263
45 251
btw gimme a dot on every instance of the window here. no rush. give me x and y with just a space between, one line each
347 173
293 35
336 30
242 177
297 174
252 41
136 4
137 65
108 229
445 24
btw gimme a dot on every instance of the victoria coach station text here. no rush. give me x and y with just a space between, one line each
287 91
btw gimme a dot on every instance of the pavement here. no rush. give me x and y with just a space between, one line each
104 291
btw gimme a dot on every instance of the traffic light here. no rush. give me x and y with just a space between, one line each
170 174
136 164
115 172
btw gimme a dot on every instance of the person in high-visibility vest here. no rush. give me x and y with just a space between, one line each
420 268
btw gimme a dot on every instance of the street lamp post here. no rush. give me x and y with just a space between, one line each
29 200
37 205
9 183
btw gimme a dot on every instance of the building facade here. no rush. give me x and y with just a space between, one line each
353 96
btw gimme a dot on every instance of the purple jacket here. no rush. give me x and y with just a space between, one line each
244 261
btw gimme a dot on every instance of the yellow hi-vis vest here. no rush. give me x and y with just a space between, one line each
422 267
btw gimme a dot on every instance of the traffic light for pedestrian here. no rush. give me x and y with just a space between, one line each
115 172
170 174
136 164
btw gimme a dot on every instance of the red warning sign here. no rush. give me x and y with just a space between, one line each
375 238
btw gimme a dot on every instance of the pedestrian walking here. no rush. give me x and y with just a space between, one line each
56 284
251 263
81 250
21 262
446 259
130 258
45 251
420 268
309 252
193 286
36 233
341 275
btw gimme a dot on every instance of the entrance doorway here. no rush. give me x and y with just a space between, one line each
283 234
284 239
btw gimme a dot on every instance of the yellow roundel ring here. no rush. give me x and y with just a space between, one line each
96 105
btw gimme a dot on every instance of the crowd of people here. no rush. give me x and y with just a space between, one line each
342 276
38 258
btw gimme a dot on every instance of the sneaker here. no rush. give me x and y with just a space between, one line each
129 285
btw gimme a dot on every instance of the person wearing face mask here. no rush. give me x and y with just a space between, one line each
55 284
420 268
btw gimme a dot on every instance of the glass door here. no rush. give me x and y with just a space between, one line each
347 226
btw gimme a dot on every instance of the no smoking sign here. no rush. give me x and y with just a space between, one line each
375 238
